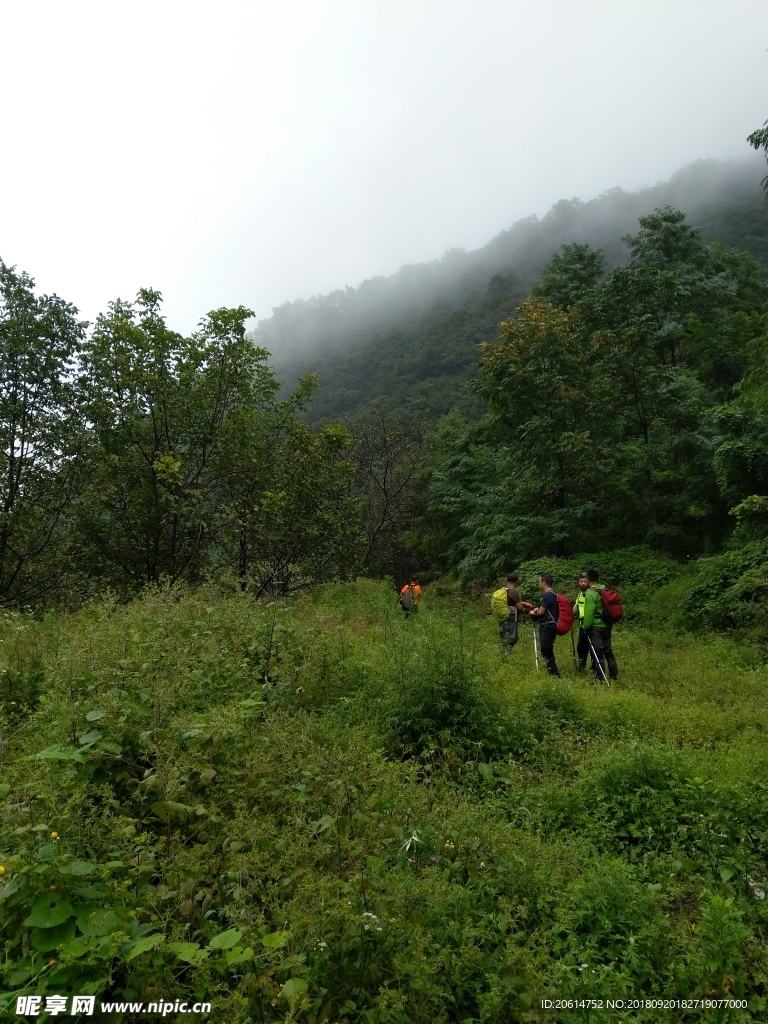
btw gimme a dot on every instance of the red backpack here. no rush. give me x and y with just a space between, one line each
565 615
612 610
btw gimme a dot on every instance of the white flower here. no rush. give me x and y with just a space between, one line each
413 840
369 914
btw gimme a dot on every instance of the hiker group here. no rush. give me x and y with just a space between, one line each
596 609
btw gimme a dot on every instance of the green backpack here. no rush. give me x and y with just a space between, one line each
499 603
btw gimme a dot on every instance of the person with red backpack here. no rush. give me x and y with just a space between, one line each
602 608
556 615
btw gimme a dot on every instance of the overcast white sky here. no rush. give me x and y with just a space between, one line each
233 152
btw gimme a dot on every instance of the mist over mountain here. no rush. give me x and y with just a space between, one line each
409 340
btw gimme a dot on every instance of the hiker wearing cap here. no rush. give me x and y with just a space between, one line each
508 622
548 613
598 630
582 647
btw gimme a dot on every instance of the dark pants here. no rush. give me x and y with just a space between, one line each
547 636
600 636
582 648
508 631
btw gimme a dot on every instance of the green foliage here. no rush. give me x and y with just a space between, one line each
298 523
164 410
627 411
435 701
759 140
731 591
40 431
297 803
568 275
416 370
409 342
209 799
389 453
194 466
722 935
624 409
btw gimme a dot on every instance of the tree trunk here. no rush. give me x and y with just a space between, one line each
242 559
652 502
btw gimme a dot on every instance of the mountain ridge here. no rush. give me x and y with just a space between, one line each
409 340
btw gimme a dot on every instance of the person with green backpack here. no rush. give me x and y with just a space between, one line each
505 605
602 608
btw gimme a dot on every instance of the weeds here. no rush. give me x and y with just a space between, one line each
319 811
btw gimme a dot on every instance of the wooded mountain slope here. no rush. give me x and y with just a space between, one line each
409 341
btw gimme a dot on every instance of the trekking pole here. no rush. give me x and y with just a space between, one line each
535 646
597 661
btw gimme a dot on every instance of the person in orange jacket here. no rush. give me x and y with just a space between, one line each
409 597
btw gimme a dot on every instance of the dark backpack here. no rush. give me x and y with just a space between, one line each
612 610
407 600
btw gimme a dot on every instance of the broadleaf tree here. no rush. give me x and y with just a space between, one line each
187 439
40 434
615 409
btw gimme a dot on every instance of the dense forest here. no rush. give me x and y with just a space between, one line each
622 403
231 770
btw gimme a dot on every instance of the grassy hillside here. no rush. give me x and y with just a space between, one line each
317 811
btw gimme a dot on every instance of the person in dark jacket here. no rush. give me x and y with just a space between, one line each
508 626
597 629
548 614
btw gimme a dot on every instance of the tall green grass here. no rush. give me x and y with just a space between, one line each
321 811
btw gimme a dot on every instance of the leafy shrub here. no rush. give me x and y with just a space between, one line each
610 917
720 960
626 567
23 674
632 566
632 795
732 592
437 700
554 702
